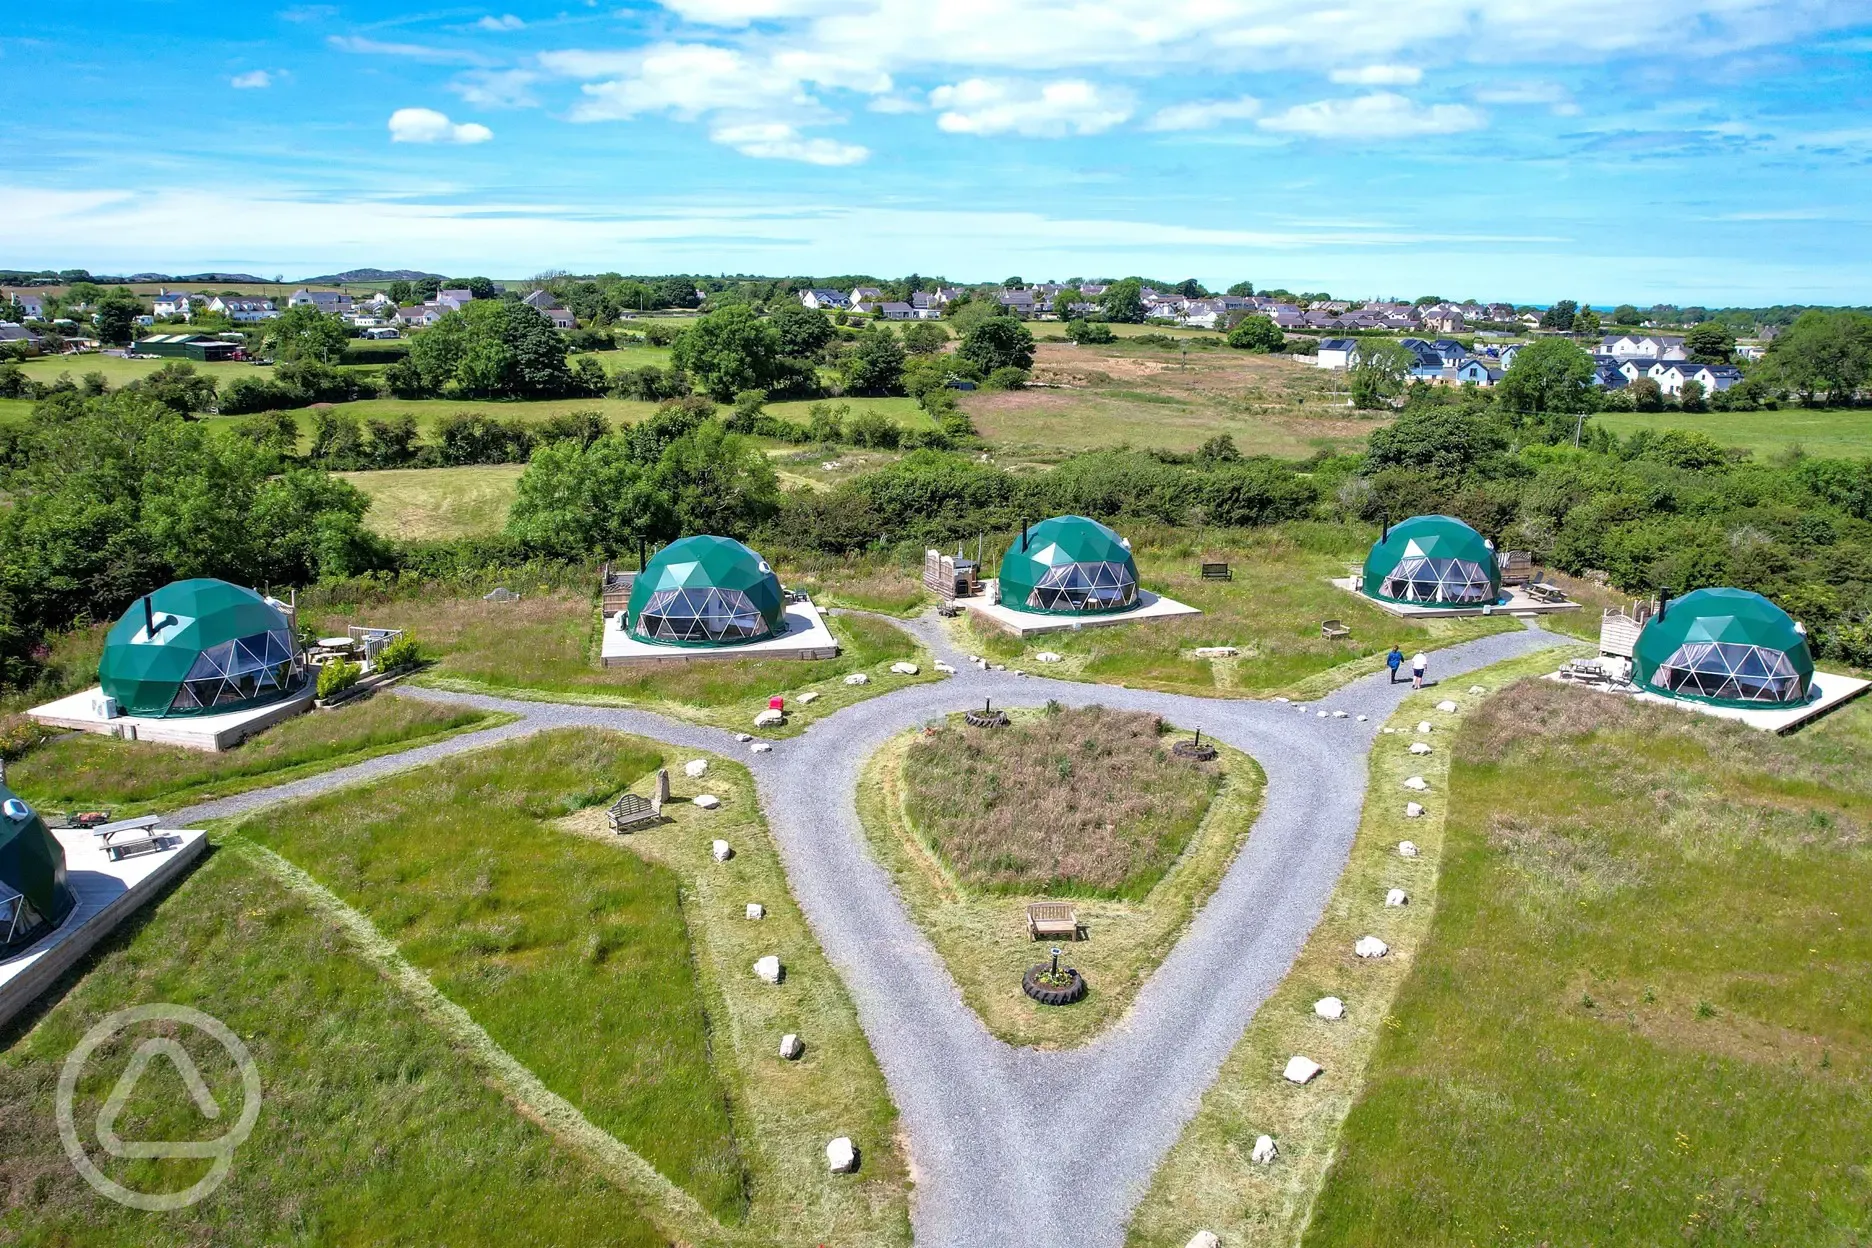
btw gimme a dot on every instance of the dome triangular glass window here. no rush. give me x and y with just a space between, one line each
1069 565
35 896
1725 646
1433 560
200 647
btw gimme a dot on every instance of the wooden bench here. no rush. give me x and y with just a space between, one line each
1217 572
1331 629
632 809
117 851
1540 591
1052 920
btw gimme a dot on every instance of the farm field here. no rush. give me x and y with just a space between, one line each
1271 612
1827 431
435 503
947 817
1641 1014
81 770
119 371
545 647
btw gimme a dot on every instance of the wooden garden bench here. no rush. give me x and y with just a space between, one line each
632 809
1331 629
1052 920
1217 572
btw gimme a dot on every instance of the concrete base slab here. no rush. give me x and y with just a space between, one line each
195 732
1514 601
806 637
1828 691
108 893
1037 623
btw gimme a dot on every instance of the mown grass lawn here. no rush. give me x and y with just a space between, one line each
81 770
1823 431
1271 611
373 1130
981 932
1644 1014
428 504
573 957
545 646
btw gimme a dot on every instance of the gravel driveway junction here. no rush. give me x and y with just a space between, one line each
1017 1146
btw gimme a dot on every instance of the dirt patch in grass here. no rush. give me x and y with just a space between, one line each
1085 801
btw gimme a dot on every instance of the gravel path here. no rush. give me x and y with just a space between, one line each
1018 1146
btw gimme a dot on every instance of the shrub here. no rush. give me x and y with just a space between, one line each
336 677
18 734
1007 378
873 428
1090 333
400 655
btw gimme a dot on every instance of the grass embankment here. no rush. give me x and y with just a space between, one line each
544 647
1645 1011
1208 1182
372 1130
81 770
980 929
1271 612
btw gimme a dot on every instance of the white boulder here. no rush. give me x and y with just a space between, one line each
1264 1151
948 669
768 969
905 669
1371 947
1204 1239
695 768
1477 689
762 747
1361 719
1396 897
707 801
841 1156
807 699
1300 1069
975 658
743 737
770 718
1329 1008
1342 715
1048 656
1283 700
1446 706
1321 714
1390 730
790 1047
857 678
1407 849
720 851
1420 747
1423 725
756 911
1413 810
1216 652
1417 784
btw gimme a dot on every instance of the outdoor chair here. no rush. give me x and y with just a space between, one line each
1052 920
1217 572
632 809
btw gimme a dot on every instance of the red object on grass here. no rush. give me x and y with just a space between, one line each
776 703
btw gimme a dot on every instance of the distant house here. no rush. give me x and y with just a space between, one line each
454 300
243 311
17 336
865 294
1287 316
897 312
172 303
1453 352
1447 321
1609 377
1018 301
1642 347
865 309
824 300
330 302
420 314
1671 378
1500 313
1340 353
34 305
542 301
1507 354
1477 371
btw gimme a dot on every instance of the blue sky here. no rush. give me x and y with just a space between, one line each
1695 151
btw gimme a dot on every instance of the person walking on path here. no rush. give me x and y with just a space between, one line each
1417 666
1394 660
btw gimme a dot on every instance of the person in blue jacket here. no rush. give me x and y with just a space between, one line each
1394 660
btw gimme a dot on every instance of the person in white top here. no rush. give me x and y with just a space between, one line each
1417 666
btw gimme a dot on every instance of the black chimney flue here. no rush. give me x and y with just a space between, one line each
1386 535
149 619
1663 597
1023 536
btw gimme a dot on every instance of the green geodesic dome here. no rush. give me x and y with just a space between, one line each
1729 647
213 648
34 894
1433 560
705 591
1069 565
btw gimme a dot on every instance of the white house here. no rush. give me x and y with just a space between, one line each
542 301
34 305
454 300
1642 347
897 312
824 300
1712 377
865 294
1339 353
330 302
171 302
420 314
243 311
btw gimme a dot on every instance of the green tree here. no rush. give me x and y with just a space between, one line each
400 291
1444 441
924 337
1826 353
803 332
998 342
728 351
1626 314
1382 371
1190 288
876 364
1710 343
493 349
1090 333
576 500
1550 379
1123 302
1257 333
305 333
115 315
1586 323
1242 290
179 387
717 482
1560 316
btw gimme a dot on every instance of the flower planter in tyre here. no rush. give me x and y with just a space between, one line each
1043 985
1194 750
987 717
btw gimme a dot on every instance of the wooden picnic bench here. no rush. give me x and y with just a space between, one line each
1331 629
1217 572
632 809
1541 591
1052 920
129 837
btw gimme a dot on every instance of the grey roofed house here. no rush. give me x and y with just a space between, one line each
896 311
1609 377
820 297
9 332
541 299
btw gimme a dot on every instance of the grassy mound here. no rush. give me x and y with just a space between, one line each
1083 802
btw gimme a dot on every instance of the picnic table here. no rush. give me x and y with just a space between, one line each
1541 591
129 837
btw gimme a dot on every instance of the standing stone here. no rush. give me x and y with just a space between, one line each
841 1156
1264 1151
662 786
720 851
768 969
790 1047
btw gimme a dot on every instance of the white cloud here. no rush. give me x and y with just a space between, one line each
506 22
895 104
425 125
1051 110
1379 76
1380 116
1556 97
252 80
1204 114
410 51
497 88
779 141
